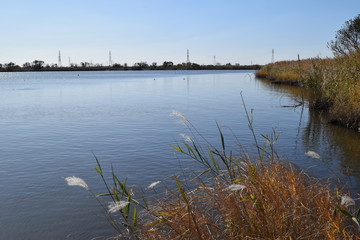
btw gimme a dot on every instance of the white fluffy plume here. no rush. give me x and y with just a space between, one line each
75 181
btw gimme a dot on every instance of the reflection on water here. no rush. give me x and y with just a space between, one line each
339 147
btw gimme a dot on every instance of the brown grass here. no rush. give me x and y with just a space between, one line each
278 202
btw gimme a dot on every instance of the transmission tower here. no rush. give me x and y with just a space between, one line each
188 57
214 60
110 61
272 57
59 60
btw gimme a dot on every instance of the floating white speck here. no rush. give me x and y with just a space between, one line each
152 185
313 154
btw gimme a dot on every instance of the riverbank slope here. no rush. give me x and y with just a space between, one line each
333 84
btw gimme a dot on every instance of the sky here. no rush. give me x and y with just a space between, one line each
234 31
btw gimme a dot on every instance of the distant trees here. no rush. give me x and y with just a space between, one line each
27 65
141 65
195 66
10 66
37 65
153 66
347 39
116 65
85 64
167 64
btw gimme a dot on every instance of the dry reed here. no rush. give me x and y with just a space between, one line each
273 201
333 83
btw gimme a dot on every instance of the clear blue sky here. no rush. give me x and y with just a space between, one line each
235 31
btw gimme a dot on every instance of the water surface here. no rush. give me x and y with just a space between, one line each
51 124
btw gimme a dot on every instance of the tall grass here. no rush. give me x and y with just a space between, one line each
286 72
333 83
242 197
267 201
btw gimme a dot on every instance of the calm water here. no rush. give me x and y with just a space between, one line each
52 123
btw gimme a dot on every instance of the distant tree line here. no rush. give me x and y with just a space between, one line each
39 65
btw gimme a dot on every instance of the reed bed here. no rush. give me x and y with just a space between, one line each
333 83
268 201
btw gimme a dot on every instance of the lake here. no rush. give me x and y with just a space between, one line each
53 123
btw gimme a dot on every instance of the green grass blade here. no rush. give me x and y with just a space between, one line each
122 186
215 165
221 137
346 213
178 148
145 202
182 191
134 217
98 169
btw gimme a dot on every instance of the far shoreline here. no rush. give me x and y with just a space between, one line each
131 68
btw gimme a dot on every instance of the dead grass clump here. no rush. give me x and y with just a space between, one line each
267 201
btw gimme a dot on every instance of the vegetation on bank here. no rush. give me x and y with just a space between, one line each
333 83
243 197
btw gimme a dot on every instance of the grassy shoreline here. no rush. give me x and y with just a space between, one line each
333 84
